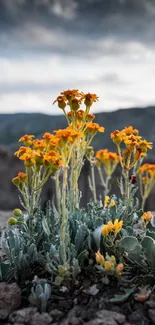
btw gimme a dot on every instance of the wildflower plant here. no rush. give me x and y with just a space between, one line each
65 239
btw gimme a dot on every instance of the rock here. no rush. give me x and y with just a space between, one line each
137 316
40 319
10 299
56 314
22 315
103 317
151 313
150 304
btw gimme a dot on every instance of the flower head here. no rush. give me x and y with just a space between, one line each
147 216
27 139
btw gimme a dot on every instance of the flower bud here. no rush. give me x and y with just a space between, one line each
99 258
17 212
12 221
119 268
16 181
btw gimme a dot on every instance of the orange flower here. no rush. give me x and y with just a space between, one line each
94 128
130 130
144 145
39 144
147 216
71 93
27 139
21 151
47 136
89 99
22 176
117 136
61 102
52 157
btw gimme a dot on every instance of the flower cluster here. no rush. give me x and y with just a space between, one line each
111 227
146 174
108 202
134 146
109 263
108 159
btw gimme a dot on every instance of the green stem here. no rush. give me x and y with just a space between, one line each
58 192
64 216
93 183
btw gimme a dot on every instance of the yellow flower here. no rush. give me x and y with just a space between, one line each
119 268
117 226
106 201
147 216
110 226
99 258
108 265
39 144
105 230
112 203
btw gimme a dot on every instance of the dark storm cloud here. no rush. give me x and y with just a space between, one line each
96 18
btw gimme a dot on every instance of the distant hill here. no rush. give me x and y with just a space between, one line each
13 126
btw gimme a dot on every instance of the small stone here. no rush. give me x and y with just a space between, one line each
151 313
137 316
40 319
56 314
150 304
23 315
10 299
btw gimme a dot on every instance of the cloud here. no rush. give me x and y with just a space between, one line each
99 46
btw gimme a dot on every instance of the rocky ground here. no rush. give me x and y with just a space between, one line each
83 308
4 216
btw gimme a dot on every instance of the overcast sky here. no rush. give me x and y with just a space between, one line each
102 46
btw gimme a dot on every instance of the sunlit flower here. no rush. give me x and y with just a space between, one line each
130 130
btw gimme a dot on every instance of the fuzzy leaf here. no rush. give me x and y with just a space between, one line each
123 297
128 243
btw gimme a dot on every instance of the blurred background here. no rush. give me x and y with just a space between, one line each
105 47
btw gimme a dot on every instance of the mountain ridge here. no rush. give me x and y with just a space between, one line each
13 126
